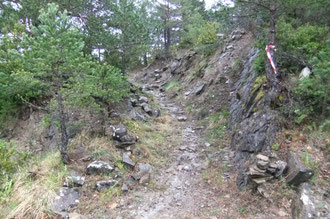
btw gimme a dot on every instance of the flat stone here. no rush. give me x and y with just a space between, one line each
302 205
105 184
261 164
127 160
66 199
297 172
262 157
99 167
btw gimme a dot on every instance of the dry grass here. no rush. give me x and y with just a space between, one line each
154 138
35 188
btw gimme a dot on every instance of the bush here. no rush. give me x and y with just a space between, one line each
312 93
7 165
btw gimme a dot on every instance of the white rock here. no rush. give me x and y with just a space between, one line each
305 73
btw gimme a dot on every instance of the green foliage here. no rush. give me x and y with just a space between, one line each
208 33
313 92
304 41
260 62
275 147
7 165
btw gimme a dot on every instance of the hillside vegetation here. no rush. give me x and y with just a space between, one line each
166 74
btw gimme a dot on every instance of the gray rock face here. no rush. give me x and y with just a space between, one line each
118 132
253 124
297 172
302 205
105 184
99 167
199 89
66 199
127 160
74 181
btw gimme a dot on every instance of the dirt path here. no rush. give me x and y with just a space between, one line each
184 195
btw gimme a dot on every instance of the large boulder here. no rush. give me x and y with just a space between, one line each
297 172
99 167
302 204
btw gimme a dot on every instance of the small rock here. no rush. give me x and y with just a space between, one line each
105 184
155 113
127 160
199 89
261 164
157 71
182 118
262 157
187 93
130 183
146 108
207 144
230 47
297 172
134 102
118 131
143 169
99 167
144 179
282 167
124 188
143 99
74 181
305 73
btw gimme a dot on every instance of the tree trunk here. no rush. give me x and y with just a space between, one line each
64 135
273 78
123 61
145 59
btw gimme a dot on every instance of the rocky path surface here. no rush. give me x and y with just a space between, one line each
184 195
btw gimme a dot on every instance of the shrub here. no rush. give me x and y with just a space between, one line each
312 93
7 164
